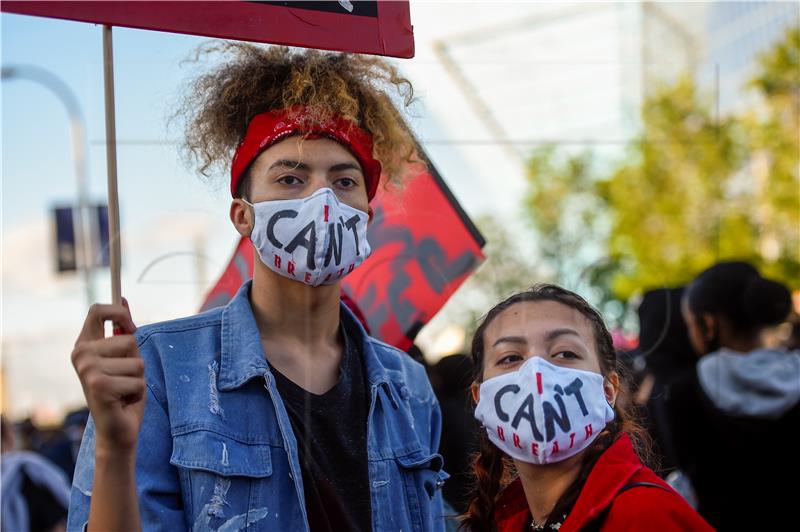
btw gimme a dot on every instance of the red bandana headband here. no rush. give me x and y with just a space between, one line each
268 128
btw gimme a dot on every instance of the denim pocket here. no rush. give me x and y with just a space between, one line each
422 476
213 452
218 478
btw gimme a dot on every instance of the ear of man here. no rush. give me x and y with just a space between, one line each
241 216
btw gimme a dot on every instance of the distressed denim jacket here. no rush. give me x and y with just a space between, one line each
216 449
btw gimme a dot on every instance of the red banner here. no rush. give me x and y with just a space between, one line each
369 26
424 246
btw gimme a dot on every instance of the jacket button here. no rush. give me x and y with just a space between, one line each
404 393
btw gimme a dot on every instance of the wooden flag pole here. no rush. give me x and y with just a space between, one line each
115 252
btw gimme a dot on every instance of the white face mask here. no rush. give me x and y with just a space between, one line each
543 413
315 240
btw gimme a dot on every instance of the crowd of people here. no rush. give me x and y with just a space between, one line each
37 468
280 412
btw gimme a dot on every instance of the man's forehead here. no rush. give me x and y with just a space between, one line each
307 151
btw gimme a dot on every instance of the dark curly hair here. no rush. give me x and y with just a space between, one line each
252 79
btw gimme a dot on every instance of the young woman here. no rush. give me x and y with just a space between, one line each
735 419
278 411
560 450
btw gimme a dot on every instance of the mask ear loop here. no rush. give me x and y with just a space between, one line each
253 210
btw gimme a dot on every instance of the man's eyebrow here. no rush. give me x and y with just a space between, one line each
297 165
288 163
555 333
344 166
510 340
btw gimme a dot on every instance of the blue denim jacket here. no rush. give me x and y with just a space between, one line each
216 449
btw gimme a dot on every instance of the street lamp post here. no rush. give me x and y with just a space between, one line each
78 134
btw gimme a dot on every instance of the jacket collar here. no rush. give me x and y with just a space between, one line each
612 471
242 357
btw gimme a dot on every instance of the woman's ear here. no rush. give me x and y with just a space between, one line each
242 217
476 392
611 387
370 214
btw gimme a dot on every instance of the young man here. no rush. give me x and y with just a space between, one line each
278 411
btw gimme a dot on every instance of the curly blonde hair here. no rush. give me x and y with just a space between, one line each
252 79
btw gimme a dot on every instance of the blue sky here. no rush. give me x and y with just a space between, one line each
36 144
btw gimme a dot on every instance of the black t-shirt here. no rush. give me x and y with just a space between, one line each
331 433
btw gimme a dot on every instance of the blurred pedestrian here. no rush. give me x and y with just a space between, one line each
35 493
552 404
30 436
792 341
63 451
451 378
735 420
664 342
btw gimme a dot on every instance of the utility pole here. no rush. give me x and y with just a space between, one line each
78 134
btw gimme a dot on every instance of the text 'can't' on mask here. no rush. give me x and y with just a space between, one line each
315 240
543 413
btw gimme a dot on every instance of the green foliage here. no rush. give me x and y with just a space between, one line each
566 208
775 144
692 190
673 207
569 211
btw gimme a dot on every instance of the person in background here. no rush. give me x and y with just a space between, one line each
35 493
63 451
792 341
560 449
735 420
30 437
451 378
664 342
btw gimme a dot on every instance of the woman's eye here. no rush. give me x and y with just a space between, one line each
510 359
569 355
289 180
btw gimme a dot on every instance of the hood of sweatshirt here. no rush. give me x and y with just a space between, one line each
764 383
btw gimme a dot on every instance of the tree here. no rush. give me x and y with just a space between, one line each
565 209
692 189
674 205
775 144
570 218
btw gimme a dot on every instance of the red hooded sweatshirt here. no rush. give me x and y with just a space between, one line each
635 509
